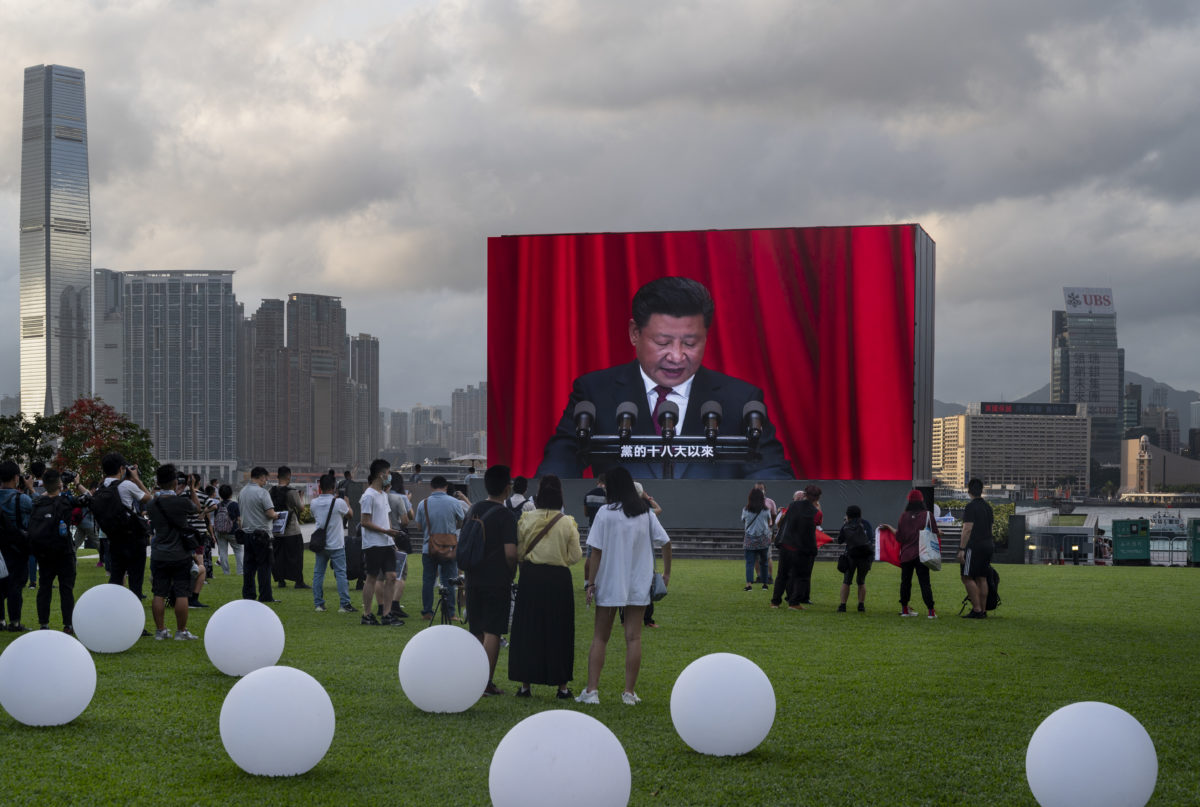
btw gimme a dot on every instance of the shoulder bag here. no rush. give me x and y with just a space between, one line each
316 541
658 586
930 548
443 546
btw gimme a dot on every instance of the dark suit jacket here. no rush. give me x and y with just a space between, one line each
607 389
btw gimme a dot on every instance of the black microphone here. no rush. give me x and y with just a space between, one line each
627 413
585 416
668 418
754 418
710 416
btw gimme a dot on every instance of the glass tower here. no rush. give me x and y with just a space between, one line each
56 241
1086 366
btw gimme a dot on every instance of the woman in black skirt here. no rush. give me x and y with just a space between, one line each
541 646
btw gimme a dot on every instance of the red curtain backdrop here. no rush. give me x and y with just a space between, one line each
822 319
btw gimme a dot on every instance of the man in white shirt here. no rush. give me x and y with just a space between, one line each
329 511
379 548
127 552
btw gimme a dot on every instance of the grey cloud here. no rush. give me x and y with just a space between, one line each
1041 144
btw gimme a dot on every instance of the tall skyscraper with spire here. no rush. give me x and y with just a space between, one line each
56 241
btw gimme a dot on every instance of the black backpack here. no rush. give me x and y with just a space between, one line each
854 535
118 523
279 497
472 538
516 510
993 596
48 531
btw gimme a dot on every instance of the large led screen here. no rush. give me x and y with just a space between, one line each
822 320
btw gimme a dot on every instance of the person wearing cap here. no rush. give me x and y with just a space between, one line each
908 535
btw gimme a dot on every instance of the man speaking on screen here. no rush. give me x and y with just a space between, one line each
671 318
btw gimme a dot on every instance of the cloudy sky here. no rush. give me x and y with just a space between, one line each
369 153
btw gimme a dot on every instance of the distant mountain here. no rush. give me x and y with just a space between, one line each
1176 399
942 409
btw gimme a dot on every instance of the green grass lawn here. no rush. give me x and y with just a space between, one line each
872 709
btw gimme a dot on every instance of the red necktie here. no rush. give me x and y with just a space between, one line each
663 392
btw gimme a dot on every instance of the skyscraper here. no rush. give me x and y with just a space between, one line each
180 366
1086 366
56 241
468 417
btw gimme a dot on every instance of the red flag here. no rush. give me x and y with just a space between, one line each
823 538
887 548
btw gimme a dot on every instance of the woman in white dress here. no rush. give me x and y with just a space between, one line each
622 539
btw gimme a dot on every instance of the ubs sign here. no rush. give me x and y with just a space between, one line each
1081 300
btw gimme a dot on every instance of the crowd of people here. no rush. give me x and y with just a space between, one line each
796 533
188 526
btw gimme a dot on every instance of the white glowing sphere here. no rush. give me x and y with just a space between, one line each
723 704
443 669
1075 732
559 757
108 618
47 678
243 636
277 721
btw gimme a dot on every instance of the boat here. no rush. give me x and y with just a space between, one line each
1167 525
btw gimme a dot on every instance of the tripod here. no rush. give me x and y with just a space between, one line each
442 605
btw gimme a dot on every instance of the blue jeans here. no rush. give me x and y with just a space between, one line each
337 561
756 556
429 570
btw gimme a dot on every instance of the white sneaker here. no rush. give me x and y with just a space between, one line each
185 636
630 698
591 696
159 635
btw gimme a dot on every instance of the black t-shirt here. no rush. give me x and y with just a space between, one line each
169 515
500 528
979 515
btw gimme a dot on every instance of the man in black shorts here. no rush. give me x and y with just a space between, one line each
975 551
489 584
379 548
170 557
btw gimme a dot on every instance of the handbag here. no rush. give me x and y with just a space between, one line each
316 541
930 548
658 586
844 563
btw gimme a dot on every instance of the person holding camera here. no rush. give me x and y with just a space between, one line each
400 514
50 542
255 536
118 516
171 554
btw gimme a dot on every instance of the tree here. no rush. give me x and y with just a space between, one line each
26 441
90 429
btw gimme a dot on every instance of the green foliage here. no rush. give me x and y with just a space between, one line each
90 428
306 516
871 709
1001 511
25 441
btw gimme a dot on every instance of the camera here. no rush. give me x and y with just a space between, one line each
68 477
